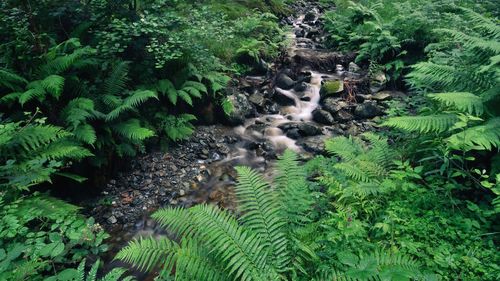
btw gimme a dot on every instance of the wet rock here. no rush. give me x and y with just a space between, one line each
112 220
382 96
284 82
367 110
283 98
333 105
323 117
343 115
310 17
305 98
271 108
308 129
257 99
331 88
319 60
300 87
354 68
378 82
242 109
293 134
314 144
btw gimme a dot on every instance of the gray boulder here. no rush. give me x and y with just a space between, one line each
242 109
367 110
284 82
323 117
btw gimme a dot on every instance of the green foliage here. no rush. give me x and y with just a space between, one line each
40 234
408 211
250 247
78 274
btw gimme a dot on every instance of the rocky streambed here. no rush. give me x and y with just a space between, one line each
309 95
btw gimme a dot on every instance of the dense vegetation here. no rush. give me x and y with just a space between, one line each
83 83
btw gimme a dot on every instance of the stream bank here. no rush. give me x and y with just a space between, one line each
308 95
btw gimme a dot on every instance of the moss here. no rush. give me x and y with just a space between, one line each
332 87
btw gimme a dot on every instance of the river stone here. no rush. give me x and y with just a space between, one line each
367 110
300 87
242 109
257 99
294 134
308 129
314 144
283 99
284 82
343 115
382 96
378 82
330 88
354 68
333 105
323 117
309 17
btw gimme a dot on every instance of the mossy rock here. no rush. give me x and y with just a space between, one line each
331 88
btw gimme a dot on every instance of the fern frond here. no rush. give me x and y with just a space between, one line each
77 111
345 148
34 92
380 152
147 253
166 87
179 220
10 80
194 263
261 214
423 124
53 84
239 249
472 42
135 99
465 102
33 137
116 83
352 170
132 129
481 137
62 149
294 194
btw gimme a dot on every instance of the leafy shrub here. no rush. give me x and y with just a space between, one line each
40 235
401 209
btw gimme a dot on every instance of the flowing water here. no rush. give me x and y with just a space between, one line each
263 128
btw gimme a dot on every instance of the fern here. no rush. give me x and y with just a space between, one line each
481 137
146 253
10 80
423 124
116 274
132 130
261 213
187 91
116 83
131 103
215 245
465 102
176 127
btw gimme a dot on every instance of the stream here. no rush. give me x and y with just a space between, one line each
286 110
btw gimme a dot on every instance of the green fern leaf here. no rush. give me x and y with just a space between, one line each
147 253
481 137
262 214
424 124
132 129
10 80
53 84
466 102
